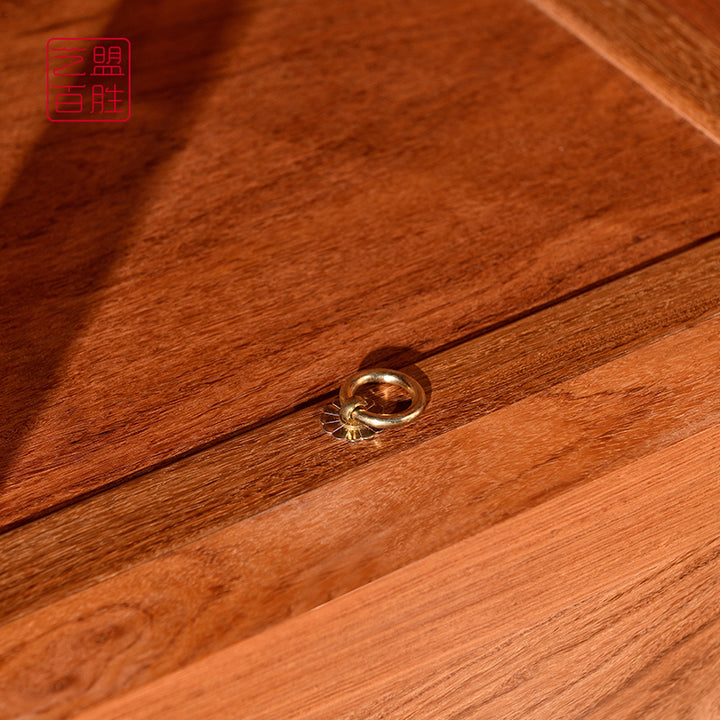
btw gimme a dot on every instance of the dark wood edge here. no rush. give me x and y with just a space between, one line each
670 57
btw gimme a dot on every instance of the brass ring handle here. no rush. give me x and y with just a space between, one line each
379 376
352 418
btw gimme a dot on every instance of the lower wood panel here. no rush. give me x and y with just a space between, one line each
166 613
600 603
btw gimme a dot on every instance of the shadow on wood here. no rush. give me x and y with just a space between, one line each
67 218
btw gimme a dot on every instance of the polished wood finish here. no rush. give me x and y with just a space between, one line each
669 46
321 186
458 188
376 517
602 603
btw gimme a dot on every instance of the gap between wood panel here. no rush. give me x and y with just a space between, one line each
418 359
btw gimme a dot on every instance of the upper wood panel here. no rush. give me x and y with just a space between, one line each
301 186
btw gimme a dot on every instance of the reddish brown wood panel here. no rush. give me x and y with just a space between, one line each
301 186
164 614
600 603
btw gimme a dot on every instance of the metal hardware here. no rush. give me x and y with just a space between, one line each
352 417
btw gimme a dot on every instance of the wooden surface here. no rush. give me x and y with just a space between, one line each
672 47
461 189
704 15
321 188
602 603
553 430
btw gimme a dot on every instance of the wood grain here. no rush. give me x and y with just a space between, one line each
704 15
170 507
300 188
166 613
536 617
669 46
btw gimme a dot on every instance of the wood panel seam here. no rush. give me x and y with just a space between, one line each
323 397
660 50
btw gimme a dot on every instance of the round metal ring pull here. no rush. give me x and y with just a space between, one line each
353 417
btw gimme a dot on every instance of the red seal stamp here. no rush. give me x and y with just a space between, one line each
88 79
